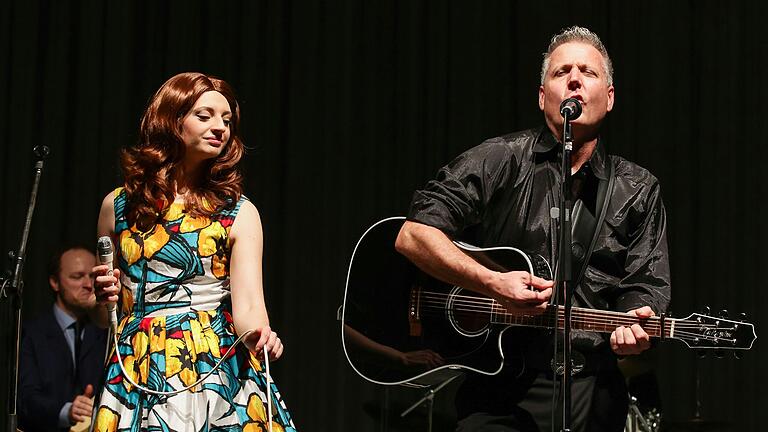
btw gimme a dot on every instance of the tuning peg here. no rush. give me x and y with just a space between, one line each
701 354
742 317
737 355
723 314
705 310
719 353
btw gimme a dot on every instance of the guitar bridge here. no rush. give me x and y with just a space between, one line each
414 320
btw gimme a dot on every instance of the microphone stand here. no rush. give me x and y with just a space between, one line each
12 287
565 264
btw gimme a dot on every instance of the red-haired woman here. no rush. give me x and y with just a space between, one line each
189 249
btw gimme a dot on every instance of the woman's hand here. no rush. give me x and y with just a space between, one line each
106 287
264 337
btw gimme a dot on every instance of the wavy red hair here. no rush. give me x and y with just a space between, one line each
150 166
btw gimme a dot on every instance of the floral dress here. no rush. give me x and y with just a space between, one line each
176 326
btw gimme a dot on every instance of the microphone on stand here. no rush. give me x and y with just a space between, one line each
570 108
104 248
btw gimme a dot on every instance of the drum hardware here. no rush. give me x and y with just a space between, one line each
639 422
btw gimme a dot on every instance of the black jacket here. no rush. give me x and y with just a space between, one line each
46 375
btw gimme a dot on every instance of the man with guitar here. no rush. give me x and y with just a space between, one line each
501 193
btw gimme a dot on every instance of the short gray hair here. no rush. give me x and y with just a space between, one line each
578 34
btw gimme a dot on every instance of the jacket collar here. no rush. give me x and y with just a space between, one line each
546 142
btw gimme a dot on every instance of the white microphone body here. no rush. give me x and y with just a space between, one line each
104 249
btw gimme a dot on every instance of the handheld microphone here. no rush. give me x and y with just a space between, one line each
571 108
104 248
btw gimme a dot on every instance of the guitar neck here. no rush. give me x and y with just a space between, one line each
599 321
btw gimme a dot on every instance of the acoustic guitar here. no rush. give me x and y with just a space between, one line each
393 311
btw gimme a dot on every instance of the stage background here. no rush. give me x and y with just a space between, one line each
348 106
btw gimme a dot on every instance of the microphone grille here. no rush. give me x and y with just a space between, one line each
104 245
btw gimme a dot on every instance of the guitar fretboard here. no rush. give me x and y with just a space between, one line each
583 319
697 330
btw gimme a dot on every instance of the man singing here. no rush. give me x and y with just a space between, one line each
501 193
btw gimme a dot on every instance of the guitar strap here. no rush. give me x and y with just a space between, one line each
586 231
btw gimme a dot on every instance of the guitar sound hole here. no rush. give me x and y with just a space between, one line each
468 313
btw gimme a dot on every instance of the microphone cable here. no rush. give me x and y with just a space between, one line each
204 377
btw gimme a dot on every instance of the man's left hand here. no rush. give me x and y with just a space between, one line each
82 406
632 340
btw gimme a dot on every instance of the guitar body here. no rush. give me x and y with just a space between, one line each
390 306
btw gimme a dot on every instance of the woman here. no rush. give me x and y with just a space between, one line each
189 248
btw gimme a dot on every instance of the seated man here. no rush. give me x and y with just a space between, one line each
62 352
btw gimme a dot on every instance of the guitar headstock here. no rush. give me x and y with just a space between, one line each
705 332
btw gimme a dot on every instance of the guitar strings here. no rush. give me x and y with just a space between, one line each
597 317
482 306
585 323
582 316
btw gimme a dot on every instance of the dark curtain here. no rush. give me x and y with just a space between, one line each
348 106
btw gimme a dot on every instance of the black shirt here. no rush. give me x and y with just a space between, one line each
500 194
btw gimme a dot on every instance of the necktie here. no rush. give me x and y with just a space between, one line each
78 326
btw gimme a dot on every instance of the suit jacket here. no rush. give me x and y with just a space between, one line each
46 373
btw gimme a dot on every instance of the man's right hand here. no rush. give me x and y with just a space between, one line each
511 289
82 406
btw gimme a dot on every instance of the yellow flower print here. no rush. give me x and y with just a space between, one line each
140 344
255 408
175 355
212 340
126 300
188 376
257 416
155 241
191 223
201 345
220 266
157 335
129 248
178 361
190 343
106 420
204 318
129 362
209 238
151 242
255 363
137 364
175 211
205 339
